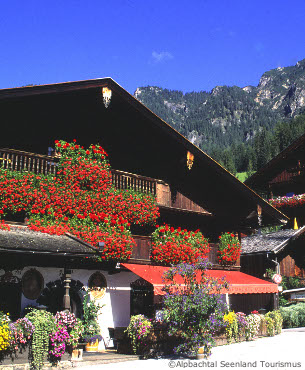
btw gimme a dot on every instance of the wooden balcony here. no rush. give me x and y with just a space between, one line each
18 160
142 250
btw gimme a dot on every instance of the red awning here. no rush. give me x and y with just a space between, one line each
240 283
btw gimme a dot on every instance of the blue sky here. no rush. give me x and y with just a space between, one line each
186 45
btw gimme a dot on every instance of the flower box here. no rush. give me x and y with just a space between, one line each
92 347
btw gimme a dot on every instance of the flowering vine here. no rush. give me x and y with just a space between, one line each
173 246
79 199
228 249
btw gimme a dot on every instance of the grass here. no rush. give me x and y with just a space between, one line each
242 176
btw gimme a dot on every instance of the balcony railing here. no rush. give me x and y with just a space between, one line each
142 250
125 180
18 160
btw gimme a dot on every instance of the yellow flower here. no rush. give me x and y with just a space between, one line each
5 337
230 317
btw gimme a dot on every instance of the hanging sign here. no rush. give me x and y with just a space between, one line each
277 278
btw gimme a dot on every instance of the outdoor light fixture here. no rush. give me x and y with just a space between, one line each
189 160
101 245
107 93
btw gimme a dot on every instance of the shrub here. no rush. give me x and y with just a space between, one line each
270 326
277 320
293 315
193 311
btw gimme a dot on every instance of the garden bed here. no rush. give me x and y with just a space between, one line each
160 343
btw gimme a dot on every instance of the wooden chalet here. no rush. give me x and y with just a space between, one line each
281 251
284 175
192 191
283 180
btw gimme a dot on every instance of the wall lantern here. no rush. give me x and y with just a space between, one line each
189 160
107 93
259 217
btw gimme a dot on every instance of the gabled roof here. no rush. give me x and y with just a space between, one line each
137 140
271 242
260 179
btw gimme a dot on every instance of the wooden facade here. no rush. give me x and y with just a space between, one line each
283 174
17 160
147 155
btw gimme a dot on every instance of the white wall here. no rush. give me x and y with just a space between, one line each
116 301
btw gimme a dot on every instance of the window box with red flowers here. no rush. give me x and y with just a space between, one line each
80 199
228 249
288 202
172 246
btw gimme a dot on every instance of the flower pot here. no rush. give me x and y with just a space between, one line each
92 347
200 354
77 355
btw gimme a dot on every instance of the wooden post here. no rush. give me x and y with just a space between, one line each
67 281
275 301
228 301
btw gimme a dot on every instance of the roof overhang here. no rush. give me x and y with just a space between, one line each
280 247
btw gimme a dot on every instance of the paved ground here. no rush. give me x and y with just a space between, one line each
284 352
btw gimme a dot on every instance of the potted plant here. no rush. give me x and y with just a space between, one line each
92 342
74 328
138 329
91 334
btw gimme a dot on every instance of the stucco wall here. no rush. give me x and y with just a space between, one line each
116 301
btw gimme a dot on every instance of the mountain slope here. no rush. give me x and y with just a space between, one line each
230 115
